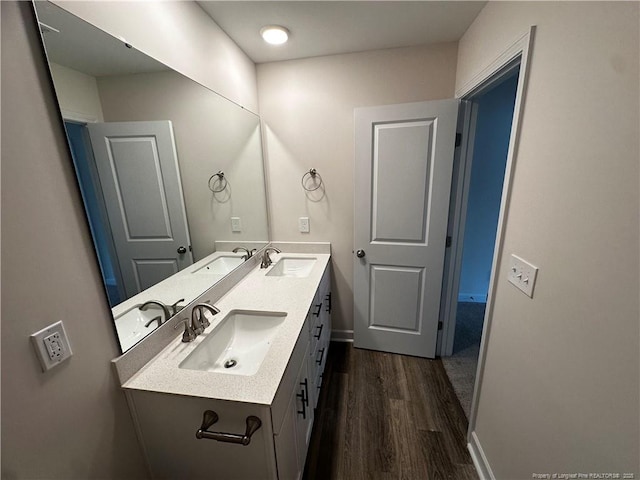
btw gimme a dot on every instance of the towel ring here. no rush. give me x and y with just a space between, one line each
313 173
219 181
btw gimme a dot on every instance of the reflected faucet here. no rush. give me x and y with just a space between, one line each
165 310
244 257
266 259
175 308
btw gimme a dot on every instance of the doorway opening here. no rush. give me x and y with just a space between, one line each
82 155
490 115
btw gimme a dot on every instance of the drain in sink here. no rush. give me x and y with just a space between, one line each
230 363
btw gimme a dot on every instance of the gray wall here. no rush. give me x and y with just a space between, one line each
73 421
560 390
307 109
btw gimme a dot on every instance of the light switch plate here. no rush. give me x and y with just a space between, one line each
303 224
236 224
51 345
522 274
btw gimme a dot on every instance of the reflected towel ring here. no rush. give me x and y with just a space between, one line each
219 181
313 173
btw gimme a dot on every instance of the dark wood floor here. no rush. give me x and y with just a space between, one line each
386 416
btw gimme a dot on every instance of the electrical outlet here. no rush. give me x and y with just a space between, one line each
523 275
236 224
303 224
51 345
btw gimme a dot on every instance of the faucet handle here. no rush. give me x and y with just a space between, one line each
175 308
201 307
189 335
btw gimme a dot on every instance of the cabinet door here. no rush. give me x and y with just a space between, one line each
289 467
304 413
168 424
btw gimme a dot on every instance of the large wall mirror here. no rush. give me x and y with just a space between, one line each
171 173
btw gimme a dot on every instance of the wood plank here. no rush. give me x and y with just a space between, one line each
385 416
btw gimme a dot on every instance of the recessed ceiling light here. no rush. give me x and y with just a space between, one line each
274 34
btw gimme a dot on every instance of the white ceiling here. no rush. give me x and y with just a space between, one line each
85 48
333 27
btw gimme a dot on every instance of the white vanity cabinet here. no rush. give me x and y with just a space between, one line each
167 423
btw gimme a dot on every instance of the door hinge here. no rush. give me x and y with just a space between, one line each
439 325
448 242
458 139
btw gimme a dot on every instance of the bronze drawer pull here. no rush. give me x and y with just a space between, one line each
319 362
319 331
319 307
210 417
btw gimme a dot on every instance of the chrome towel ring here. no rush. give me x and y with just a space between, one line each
221 182
311 174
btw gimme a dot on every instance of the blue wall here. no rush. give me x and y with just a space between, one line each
75 135
493 128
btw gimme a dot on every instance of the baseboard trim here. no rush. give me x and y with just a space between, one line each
472 297
342 335
479 458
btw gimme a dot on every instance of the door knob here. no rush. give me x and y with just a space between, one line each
360 254
181 250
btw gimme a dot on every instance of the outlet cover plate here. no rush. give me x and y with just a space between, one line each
522 274
303 224
236 224
51 345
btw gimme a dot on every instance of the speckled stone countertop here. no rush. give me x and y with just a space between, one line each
258 292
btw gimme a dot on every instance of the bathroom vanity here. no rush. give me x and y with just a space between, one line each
238 402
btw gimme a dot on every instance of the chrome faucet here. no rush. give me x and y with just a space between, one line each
195 325
165 310
244 257
266 260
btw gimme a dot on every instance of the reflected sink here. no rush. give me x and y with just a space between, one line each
131 325
221 265
237 345
292 267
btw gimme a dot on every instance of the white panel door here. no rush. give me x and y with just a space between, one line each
403 160
137 165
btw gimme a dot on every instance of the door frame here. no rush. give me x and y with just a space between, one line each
518 53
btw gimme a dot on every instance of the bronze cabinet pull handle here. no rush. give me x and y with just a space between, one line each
210 417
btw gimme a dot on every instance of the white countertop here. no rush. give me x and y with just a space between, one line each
256 291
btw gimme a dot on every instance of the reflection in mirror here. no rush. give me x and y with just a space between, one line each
170 172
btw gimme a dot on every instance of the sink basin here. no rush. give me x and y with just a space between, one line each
221 265
131 325
292 267
237 345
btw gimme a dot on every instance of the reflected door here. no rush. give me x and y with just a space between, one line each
137 166
404 160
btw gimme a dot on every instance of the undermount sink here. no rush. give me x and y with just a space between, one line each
292 267
221 265
238 345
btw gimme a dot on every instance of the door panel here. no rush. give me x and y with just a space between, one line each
395 298
401 158
137 165
147 272
404 160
